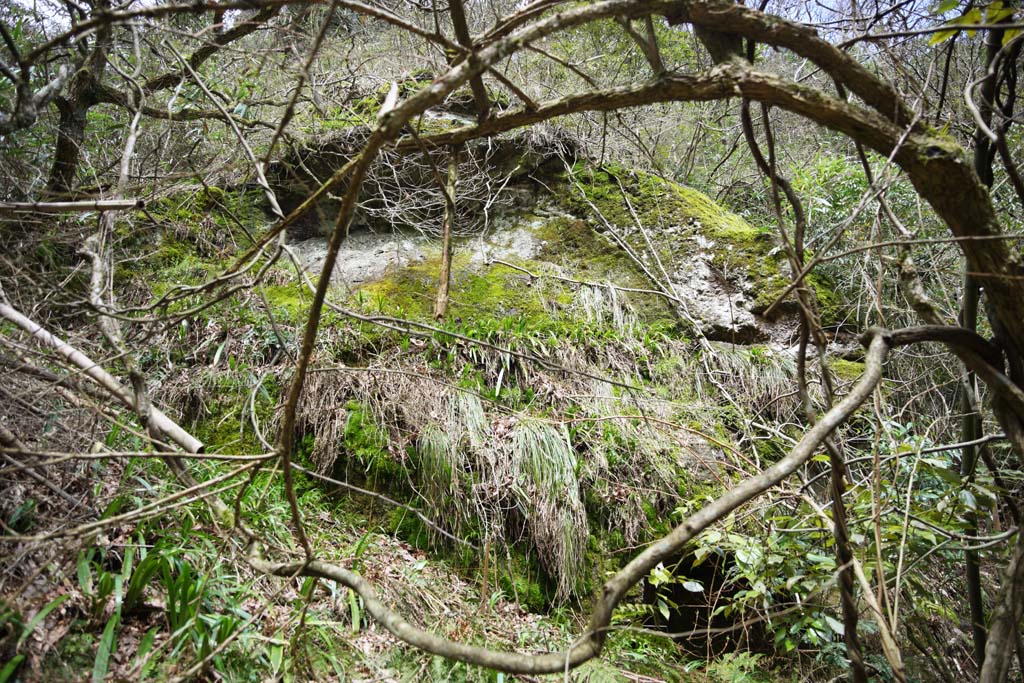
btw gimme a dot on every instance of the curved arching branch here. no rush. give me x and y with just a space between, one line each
937 167
724 15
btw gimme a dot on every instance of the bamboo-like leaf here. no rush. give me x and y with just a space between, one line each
10 667
942 36
108 641
38 618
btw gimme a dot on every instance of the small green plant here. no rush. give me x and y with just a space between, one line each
11 622
22 518
739 667
95 582
184 591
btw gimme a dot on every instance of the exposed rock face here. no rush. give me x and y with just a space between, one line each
719 303
578 294
717 274
524 199
364 257
368 257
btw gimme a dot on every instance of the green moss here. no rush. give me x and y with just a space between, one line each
657 203
367 443
569 237
245 206
718 223
410 529
940 143
674 215
174 263
523 581
658 523
73 654
485 300
361 112
831 305
769 289
596 565
598 187
189 246
846 370
219 420
186 208
211 197
292 300
495 292
221 432
594 257
501 291
737 232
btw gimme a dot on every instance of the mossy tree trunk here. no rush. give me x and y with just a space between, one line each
68 149
83 94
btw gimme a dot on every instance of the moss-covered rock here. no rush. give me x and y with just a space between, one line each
725 272
605 272
846 370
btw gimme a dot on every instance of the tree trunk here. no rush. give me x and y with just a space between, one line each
444 279
970 430
70 137
83 94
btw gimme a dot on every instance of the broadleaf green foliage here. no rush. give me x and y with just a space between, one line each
987 13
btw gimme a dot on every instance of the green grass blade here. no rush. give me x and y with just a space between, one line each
107 644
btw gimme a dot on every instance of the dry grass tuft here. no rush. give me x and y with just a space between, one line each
757 378
548 492
481 470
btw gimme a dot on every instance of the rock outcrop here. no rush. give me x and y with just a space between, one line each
673 254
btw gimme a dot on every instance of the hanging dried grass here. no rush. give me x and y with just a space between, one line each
546 469
509 479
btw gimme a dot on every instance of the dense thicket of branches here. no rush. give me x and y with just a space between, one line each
104 108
